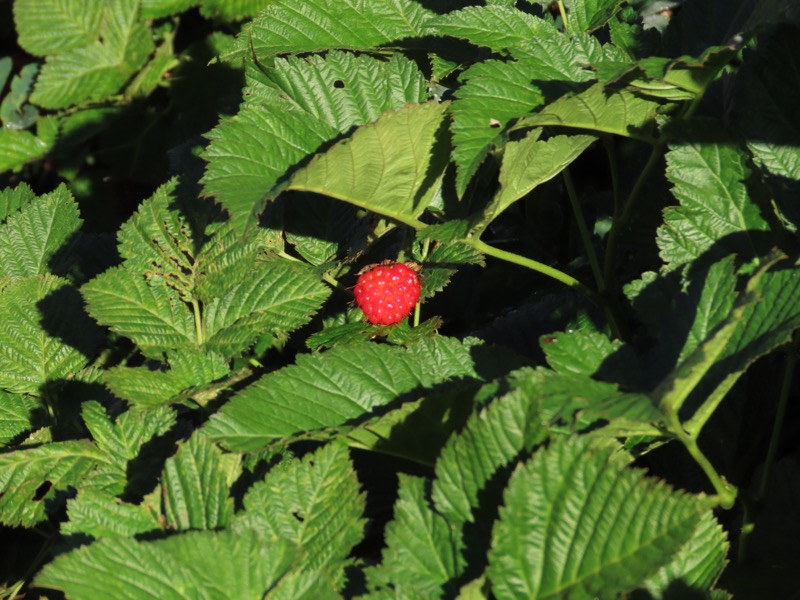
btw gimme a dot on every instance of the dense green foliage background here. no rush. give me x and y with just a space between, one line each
595 397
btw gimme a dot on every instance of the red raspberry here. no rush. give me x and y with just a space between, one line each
387 293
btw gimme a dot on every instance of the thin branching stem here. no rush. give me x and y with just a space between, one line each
725 492
534 265
621 222
580 220
754 505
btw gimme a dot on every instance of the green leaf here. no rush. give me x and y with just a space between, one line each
251 151
100 514
494 92
44 333
15 113
32 479
18 148
101 68
276 296
491 440
316 504
716 215
157 240
321 228
767 322
697 565
568 396
30 238
576 522
310 101
286 26
151 313
343 90
17 414
530 162
198 564
442 263
559 62
232 10
13 199
580 352
588 15
388 167
196 486
619 112
53 26
122 441
333 388
765 115
496 27
156 9
147 387
422 551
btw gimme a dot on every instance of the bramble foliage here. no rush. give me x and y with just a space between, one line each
591 399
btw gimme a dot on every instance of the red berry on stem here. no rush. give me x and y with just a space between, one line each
387 293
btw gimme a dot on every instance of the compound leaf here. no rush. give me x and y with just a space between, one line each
99 514
577 522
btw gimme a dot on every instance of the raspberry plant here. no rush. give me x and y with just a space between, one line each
594 396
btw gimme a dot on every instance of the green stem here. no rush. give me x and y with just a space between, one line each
613 165
563 12
426 246
621 222
198 323
586 238
780 415
726 493
753 506
534 265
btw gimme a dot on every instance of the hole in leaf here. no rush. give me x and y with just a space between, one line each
338 84
42 491
298 516
494 123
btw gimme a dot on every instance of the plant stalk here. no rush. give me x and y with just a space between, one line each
622 221
198 322
534 265
586 237
726 493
